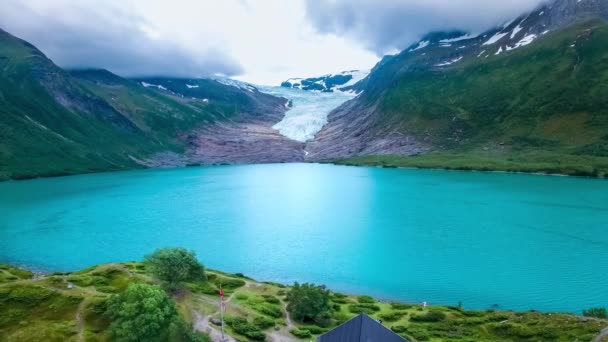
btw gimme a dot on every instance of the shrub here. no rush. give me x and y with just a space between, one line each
400 306
431 316
595 312
268 310
228 283
301 333
241 296
263 322
340 317
392 316
242 327
369 309
365 300
206 288
471 313
271 299
399 329
315 330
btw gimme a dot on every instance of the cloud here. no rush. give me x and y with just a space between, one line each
86 33
386 26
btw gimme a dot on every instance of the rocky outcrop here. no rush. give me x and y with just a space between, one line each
355 130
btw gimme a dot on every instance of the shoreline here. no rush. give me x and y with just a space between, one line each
261 306
38 272
339 162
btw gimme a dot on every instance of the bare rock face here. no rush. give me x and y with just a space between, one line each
353 130
249 141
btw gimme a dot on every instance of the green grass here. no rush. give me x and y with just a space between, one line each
45 310
531 162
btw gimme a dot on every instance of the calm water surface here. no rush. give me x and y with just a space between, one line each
519 241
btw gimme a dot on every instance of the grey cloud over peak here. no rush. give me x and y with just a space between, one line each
104 36
385 26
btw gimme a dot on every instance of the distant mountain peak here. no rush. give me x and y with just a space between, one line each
344 81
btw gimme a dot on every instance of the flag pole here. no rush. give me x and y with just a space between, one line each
222 311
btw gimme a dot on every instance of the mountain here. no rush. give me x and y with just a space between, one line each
56 122
528 95
343 81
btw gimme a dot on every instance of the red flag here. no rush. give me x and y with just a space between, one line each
221 293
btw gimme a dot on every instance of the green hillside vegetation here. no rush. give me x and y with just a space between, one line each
541 107
54 122
48 308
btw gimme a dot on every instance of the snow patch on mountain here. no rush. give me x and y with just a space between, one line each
148 85
421 45
449 62
498 36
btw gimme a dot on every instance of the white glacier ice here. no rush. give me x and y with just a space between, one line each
308 113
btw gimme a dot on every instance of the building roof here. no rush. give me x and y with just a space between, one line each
361 329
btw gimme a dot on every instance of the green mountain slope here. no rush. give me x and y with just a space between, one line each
54 122
539 107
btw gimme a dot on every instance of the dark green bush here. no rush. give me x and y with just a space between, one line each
431 316
400 306
263 322
392 316
314 329
365 300
271 299
595 312
399 329
300 333
268 310
228 283
369 309
250 330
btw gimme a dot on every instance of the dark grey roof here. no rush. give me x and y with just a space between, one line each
361 329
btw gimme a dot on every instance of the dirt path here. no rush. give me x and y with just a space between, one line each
603 334
283 335
202 324
80 319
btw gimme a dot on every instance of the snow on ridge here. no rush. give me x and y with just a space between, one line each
516 30
191 86
421 45
357 75
449 62
148 85
457 39
498 36
235 83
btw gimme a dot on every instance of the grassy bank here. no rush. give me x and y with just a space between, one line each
532 162
70 307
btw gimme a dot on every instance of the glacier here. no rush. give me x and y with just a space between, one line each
308 112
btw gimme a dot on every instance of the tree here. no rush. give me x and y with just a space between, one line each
309 302
142 312
175 265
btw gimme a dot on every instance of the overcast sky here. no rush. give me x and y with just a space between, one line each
260 41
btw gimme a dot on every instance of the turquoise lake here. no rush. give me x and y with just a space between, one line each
516 241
